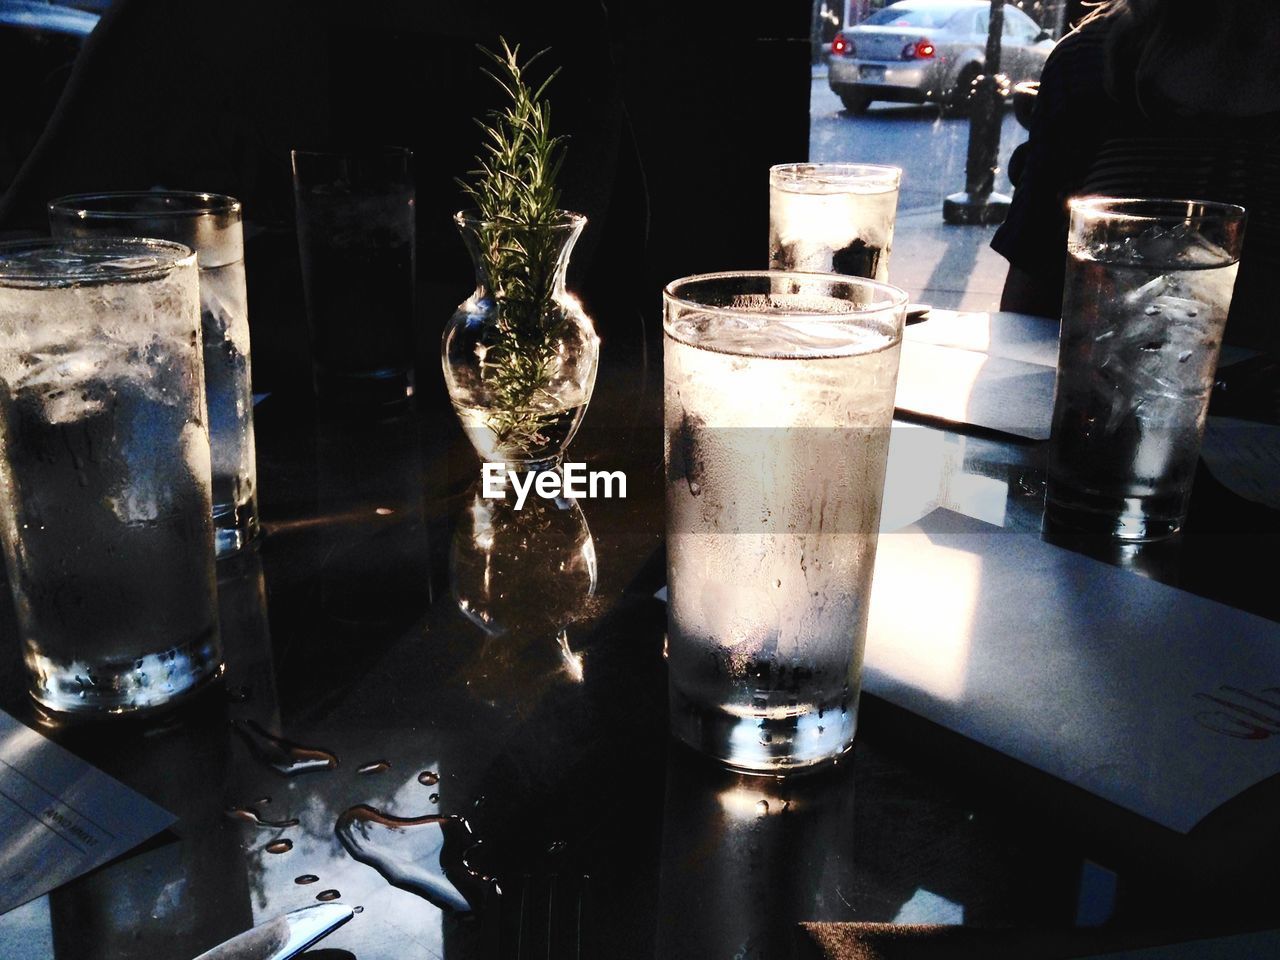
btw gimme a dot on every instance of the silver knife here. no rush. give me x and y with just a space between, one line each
283 937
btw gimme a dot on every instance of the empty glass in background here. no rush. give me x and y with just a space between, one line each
833 218
1148 288
211 225
105 503
355 216
778 402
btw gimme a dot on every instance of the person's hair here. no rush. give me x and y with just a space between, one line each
1148 41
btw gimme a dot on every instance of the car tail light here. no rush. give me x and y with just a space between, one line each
920 50
842 46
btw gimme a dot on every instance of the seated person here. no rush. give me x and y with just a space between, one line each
1155 99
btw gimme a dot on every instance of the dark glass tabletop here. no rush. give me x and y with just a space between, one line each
399 648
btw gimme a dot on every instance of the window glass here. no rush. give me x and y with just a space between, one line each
896 16
885 106
1019 26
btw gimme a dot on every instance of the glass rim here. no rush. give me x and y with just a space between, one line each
852 173
895 296
564 218
889 300
178 255
194 203
1157 209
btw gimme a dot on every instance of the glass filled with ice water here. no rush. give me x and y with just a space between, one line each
833 218
211 225
779 395
357 243
1148 288
105 502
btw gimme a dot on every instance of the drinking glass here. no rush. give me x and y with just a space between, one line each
355 214
778 402
210 225
105 502
1147 292
833 218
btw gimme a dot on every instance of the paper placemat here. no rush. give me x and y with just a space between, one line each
1014 336
60 817
1244 456
966 387
1160 701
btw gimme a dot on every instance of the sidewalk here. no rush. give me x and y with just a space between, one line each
944 266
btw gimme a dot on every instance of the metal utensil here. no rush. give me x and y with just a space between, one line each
283 937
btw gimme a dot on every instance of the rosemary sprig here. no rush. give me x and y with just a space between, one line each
514 190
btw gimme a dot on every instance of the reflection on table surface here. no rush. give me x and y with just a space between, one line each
479 696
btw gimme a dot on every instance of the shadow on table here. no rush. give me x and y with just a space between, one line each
744 858
194 884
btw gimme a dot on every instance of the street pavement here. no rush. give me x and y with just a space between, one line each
942 265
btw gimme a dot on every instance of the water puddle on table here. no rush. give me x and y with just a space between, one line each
250 814
283 756
423 855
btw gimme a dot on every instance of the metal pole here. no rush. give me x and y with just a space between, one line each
815 33
978 203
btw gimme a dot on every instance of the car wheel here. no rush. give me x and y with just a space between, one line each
960 97
855 103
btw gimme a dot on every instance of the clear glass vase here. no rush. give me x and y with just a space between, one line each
529 571
519 354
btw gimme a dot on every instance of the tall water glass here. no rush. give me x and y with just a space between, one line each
778 403
210 225
1147 293
105 505
356 238
833 218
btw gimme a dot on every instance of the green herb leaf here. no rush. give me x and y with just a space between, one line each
513 187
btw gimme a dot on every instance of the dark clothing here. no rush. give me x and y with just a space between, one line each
1084 142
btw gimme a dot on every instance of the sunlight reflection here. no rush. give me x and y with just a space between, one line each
925 644
926 471
752 799
482 524
927 907
983 498
912 487
573 664
977 330
939 380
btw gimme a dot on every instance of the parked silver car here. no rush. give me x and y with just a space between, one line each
916 51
